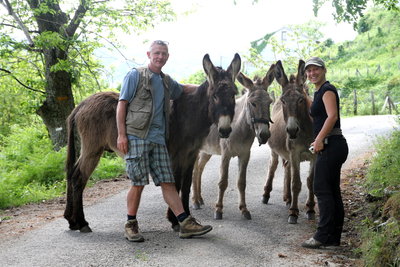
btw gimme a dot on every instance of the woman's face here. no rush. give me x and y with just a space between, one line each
316 75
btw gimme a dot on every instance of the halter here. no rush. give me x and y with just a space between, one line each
254 120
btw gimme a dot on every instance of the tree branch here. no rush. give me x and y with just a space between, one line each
76 20
11 12
87 65
26 86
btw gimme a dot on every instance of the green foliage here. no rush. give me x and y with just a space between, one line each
380 245
299 42
47 51
380 235
363 25
384 171
367 64
351 11
31 171
109 167
196 78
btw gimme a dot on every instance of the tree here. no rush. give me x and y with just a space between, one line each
57 38
351 10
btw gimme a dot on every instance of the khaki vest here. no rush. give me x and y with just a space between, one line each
141 109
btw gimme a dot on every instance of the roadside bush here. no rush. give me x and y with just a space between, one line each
380 236
384 171
31 171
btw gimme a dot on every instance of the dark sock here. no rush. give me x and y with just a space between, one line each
181 217
131 217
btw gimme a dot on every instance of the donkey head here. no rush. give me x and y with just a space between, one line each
221 93
258 104
293 99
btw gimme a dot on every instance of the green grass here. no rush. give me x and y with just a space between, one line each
384 171
381 236
31 171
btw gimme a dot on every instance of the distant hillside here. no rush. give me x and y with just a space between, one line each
370 63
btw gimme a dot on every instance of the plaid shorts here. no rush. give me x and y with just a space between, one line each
146 158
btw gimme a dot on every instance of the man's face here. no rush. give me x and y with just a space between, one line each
158 56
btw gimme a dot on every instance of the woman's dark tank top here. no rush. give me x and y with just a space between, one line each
318 111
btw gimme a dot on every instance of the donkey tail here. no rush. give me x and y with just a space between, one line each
71 147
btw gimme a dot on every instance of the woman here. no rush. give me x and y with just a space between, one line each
332 150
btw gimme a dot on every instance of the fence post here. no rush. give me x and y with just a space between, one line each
273 96
378 69
355 102
373 103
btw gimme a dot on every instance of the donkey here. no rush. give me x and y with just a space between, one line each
191 118
252 118
94 120
291 136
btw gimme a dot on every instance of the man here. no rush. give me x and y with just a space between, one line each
142 122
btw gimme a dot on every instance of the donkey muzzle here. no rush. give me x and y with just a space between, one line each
263 137
224 126
224 132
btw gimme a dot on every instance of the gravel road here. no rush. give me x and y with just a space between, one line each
266 240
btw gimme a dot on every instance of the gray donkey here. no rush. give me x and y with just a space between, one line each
291 136
252 118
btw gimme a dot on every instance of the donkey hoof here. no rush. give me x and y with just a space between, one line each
196 205
265 200
311 216
85 229
246 215
292 219
218 215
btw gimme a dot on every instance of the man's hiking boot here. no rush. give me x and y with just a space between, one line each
190 227
132 231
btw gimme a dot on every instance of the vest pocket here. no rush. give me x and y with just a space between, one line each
138 119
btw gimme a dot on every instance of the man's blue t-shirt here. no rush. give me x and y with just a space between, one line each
128 89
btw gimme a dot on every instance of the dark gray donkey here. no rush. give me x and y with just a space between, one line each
291 136
252 118
191 117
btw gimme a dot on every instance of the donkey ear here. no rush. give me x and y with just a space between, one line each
301 73
280 75
269 77
234 67
245 81
209 69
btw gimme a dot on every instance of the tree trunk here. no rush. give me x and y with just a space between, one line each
59 99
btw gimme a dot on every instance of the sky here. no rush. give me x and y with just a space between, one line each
221 29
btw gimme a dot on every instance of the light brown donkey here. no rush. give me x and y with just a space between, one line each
252 118
291 136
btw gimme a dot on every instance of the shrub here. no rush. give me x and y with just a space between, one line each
384 171
31 171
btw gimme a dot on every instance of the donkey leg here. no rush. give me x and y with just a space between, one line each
273 164
85 167
69 206
170 215
243 162
222 185
186 185
199 165
287 183
296 187
310 199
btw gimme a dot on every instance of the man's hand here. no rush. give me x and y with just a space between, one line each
122 144
122 140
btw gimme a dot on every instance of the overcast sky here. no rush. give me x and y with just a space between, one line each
220 28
